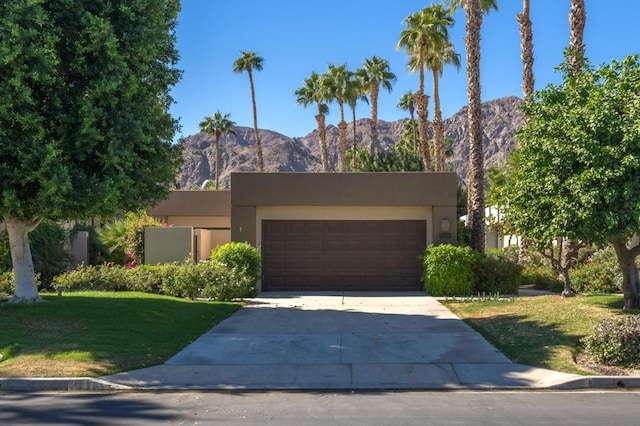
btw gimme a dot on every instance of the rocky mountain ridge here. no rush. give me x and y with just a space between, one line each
501 119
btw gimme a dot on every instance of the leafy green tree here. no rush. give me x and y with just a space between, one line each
217 125
575 173
84 113
249 61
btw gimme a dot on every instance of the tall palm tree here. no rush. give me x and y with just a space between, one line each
315 91
577 22
526 44
407 102
375 72
474 10
424 30
249 61
217 125
437 57
354 91
336 81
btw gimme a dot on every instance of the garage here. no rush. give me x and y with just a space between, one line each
351 255
342 231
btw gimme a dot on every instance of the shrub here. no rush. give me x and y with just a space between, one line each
6 283
105 277
240 256
449 270
599 273
50 257
497 274
542 278
615 341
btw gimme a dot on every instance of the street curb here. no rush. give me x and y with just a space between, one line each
600 382
59 384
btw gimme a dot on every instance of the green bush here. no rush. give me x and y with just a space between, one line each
598 273
615 341
449 270
542 278
240 256
497 274
6 282
187 280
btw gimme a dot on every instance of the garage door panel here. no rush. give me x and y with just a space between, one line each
342 255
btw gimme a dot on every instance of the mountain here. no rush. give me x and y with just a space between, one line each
501 118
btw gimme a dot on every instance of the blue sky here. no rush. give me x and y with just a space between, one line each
296 37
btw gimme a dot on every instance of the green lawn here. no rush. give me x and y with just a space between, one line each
98 333
541 331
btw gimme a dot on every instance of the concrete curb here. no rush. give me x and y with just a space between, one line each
58 384
96 384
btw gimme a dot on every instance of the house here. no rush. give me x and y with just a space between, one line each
325 231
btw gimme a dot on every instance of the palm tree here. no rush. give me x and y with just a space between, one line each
526 44
354 92
249 61
474 10
436 59
315 91
217 125
407 102
577 22
336 82
424 30
375 72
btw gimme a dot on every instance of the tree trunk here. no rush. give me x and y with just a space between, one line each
375 88
475 213
24 274
217 175
630 281
355 139
526 45
577 22
322 140
342 129
422 102
414 131
438 132
568 256
255 124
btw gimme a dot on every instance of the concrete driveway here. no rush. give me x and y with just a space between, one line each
341 341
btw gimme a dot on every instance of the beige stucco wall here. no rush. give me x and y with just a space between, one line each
208 239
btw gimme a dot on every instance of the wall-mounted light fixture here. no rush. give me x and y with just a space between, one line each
445 225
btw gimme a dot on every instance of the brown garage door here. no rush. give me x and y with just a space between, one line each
312 255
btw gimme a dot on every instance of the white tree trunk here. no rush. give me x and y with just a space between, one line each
25 278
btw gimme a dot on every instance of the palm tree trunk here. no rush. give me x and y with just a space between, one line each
414 130
355 139
422 102
475 213
438 133
577 22
375 88
255 124
526 44
322 140
217 160
342 129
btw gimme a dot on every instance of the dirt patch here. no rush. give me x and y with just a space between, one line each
588 364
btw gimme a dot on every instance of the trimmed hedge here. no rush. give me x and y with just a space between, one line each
240 256
498 275
189 280
449 270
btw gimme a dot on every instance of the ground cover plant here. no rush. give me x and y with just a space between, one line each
98 333
542 331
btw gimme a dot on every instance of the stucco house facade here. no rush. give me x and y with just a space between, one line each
326 231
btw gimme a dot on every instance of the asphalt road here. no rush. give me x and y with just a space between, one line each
319 408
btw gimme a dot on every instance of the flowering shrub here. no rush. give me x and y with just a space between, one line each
615 341
134 236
